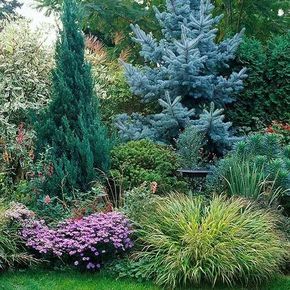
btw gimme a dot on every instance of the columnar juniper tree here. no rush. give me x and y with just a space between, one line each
185 70
70 126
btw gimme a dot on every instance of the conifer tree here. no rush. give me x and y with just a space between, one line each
187 63
215 131
70 127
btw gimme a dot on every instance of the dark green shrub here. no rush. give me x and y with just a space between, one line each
189 146
71 125
188 240
266 93
139 161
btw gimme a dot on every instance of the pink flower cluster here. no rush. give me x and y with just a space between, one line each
87 242
18 211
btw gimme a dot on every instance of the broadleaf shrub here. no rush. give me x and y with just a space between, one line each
266 90
187 240
25 64
138 161
86 243
138 200
282 129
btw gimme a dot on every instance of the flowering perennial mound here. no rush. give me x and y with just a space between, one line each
87 242
18 212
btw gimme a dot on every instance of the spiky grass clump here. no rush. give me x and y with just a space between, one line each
189 240
12 248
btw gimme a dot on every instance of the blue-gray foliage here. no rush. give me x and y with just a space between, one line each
216 132
186 63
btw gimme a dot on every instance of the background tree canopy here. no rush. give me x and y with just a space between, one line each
260 18
110 18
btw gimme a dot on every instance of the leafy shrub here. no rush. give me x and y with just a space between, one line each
139 161
12 248
138 200
25 64
24 74
266 90
85 242
282 129
189 240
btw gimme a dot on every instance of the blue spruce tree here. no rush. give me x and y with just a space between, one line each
187 64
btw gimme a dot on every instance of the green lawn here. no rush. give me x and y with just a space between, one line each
69 280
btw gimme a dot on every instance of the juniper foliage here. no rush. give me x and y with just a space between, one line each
71 126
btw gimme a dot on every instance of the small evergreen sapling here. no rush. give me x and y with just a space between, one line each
70 126
215 130
186 62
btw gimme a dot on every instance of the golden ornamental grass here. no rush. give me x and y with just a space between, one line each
190 240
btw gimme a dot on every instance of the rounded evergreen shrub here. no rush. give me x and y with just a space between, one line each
189 240
138 161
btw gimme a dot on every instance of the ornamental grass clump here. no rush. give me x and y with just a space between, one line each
188 240
87 242
12 248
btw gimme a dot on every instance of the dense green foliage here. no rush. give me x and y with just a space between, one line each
260 18
189 148
70 128
266 93
109 20
189 240
139 161
106 19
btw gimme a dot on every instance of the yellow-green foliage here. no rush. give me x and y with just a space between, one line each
134 162
190 240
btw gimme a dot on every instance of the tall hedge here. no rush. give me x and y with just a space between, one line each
266 93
